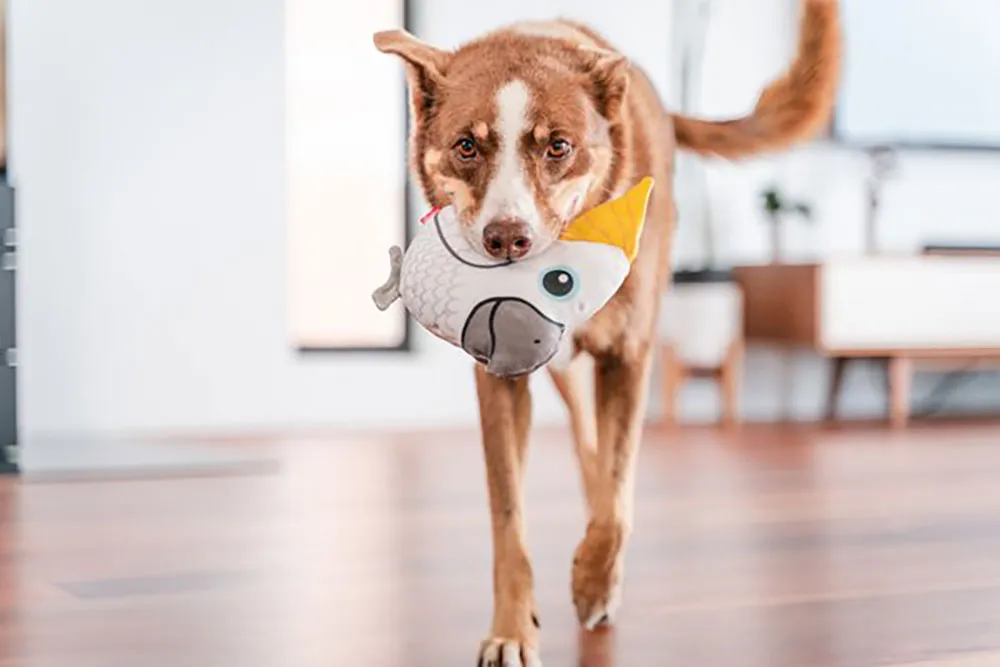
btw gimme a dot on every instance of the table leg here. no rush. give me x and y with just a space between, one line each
836 382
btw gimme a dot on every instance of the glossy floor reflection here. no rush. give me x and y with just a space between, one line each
766 548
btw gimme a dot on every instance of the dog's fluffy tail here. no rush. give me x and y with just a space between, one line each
792 108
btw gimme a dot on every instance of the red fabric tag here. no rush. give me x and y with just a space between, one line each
429 215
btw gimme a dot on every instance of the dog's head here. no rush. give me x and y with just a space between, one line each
518 131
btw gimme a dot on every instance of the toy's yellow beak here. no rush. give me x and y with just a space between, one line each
617 222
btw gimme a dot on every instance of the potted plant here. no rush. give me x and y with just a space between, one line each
778 209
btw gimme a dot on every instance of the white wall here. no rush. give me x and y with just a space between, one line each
148 153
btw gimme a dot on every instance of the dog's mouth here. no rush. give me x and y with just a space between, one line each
545 230
510 336
540 244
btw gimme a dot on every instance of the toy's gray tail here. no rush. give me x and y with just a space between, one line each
387 294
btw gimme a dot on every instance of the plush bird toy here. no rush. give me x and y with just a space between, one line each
511 316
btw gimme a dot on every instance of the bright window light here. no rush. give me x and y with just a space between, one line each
346 172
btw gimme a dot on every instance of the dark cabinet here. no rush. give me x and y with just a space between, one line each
8 332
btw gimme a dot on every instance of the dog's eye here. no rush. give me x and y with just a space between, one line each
558 149
466 149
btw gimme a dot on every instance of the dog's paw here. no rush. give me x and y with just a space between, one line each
499 652
597 575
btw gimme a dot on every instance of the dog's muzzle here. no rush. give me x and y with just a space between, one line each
510 336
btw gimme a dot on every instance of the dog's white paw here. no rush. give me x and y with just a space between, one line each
597 575
498 652
599 613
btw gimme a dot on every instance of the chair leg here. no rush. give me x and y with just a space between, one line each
673 377
730 375
900 383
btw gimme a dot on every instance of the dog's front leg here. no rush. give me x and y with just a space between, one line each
505 417
620 392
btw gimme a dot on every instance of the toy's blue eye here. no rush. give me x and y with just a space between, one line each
559 282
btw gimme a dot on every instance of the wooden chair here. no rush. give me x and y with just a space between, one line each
727 375
701 336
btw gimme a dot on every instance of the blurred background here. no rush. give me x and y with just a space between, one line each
206 190
201 193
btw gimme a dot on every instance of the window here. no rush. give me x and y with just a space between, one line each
346 173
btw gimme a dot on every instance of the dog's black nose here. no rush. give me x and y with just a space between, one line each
508 238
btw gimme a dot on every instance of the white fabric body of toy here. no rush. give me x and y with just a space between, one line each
510 316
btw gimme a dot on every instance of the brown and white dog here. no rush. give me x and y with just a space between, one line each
522 130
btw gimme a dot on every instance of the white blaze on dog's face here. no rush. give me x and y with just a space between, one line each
509 197
518 130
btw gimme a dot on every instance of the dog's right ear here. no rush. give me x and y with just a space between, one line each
425 66
609 73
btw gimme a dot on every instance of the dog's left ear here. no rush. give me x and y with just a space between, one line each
609 75
425 66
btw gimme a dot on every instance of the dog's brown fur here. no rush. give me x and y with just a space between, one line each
582 88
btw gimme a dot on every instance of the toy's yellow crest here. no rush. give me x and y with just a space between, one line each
617 222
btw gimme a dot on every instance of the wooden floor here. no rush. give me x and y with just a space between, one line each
763 548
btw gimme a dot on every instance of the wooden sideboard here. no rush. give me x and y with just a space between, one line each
900 310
